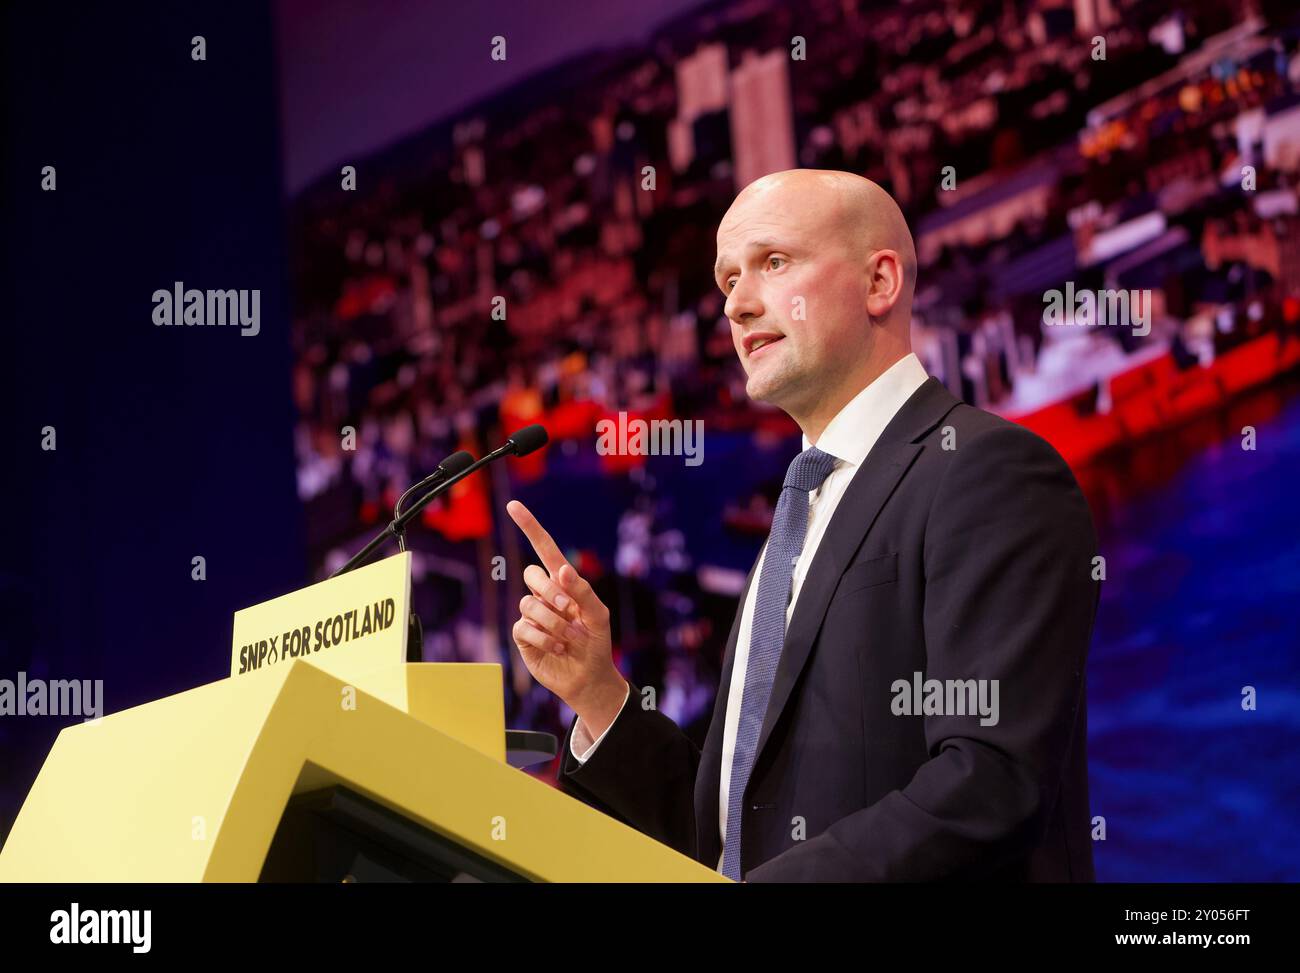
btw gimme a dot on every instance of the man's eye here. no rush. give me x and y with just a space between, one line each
731 282
779 259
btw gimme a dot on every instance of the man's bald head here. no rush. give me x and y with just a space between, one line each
853 207
818 268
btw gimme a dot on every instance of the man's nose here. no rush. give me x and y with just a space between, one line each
743 302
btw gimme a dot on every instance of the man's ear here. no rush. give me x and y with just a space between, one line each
886 282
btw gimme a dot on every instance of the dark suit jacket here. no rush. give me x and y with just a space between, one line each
962 549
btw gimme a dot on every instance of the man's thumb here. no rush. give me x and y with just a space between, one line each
578 588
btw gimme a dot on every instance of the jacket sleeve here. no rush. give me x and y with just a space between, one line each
1009 596
643 774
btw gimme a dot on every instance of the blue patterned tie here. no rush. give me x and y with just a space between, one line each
784 545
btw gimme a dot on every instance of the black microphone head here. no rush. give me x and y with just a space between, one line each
528 439
456 462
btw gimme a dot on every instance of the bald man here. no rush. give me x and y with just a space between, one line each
903 692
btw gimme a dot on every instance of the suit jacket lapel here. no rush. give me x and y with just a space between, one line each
872 485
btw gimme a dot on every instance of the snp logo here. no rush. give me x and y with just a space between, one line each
104 926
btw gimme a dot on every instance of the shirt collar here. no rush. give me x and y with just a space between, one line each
856 427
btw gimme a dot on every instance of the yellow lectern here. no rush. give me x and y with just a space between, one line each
197 786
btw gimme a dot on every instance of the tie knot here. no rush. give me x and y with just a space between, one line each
809 469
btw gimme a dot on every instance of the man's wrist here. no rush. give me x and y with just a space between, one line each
602 706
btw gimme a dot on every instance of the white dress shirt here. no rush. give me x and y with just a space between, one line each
849 438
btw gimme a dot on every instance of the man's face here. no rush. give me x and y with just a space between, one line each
795 294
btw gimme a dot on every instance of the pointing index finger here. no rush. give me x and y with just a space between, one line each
542 542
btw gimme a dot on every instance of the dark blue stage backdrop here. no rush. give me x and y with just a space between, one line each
171 443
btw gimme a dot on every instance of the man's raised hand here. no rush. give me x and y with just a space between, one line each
563 631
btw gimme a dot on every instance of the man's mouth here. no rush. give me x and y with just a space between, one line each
754 343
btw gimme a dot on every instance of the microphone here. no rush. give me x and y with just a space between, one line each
453 469
450 472
525 441
451 466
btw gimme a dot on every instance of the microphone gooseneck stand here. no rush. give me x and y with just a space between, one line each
450 472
